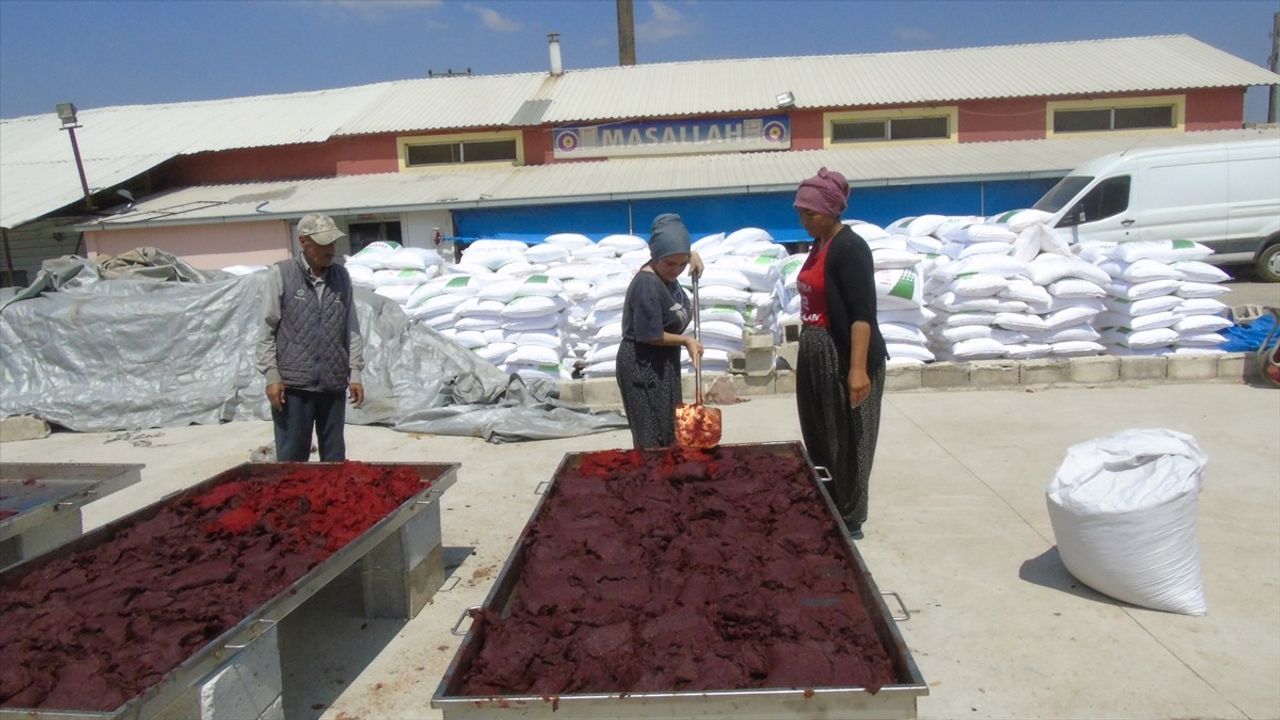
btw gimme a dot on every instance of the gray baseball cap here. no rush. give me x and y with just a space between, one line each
320 228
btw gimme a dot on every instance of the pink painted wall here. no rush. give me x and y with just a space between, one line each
341 156
537 146
1216 109
1005 119
806 129
206 247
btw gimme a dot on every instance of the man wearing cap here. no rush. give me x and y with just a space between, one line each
310 349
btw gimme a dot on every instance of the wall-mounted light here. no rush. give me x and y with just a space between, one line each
67 114
786 99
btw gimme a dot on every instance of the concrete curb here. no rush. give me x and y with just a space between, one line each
976 375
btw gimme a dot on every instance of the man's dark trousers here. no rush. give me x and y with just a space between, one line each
304 410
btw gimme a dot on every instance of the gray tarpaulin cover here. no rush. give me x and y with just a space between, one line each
111 346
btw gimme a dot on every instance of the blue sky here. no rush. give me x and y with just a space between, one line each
113 52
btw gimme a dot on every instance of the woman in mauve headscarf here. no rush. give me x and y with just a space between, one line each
840 366
655 314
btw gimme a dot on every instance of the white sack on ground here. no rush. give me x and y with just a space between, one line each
1123 509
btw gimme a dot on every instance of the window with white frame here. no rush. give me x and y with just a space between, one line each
872 129
460 152
1102 119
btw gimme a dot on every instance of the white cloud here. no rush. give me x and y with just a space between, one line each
912 35
666 23
495 20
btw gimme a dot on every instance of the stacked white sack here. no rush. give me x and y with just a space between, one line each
603 323
242 270
1155 307
741 287
1012 289
362 266
899 259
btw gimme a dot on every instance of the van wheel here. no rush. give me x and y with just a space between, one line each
1268 266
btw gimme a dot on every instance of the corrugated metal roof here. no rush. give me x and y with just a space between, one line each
725 86
118 143
38 175
642 178
447 102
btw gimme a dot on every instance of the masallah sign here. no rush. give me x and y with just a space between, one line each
673 137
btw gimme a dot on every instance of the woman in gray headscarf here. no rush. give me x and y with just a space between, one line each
654 317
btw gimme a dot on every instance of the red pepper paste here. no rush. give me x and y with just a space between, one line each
90 630
681 570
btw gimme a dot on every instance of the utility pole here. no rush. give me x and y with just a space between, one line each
626 33
1273 107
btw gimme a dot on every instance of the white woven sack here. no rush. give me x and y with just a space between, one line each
1069 316
867 231
495 353
602 353
708 243
501 290
772 249
889 242
1197 271
531 306
725 277
610 334
1020 321
1084 333
1019 220
1109 320
1008 337
984 248
1061 303
1123 509
547 253
956 228
601 369
918 317
1140 339
388 278
1145 306
898 290
543 338
968 318
1202 306
1027 245
893 332
613 302
576 290
978 349
1202 290
615 286
1049 267
372 255
469 339
1168 251
436 322
412 258
484 321
1209 339
722 313
924 244
980 233
965 332
1074 348
533 355
590 253
590 272
921 225
1076 288
242 270
398 294
889 259
901 351
635 259
568 240
1141 291
721 295
1028 350
761 271
951 302
746 235
360 275
1026 291
623 244
1001 265
978 285
1200 324
1140 270
537 323
490 259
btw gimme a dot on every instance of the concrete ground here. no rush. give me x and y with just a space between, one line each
958 527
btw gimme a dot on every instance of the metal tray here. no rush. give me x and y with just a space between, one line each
47 512
891 701
155 699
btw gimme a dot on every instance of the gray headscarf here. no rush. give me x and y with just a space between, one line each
668 237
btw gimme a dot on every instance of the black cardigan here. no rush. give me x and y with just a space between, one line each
851 296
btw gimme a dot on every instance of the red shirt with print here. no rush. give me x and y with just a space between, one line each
812 284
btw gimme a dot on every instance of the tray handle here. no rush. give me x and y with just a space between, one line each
467 613
906 614
541 488
823 474
268 623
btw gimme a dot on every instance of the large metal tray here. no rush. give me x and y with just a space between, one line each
46 499
891 701
154 700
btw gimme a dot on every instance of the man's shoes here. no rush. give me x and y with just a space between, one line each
855 531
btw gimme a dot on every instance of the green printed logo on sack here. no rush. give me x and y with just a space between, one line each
905 287
460 281
765 259
1183 244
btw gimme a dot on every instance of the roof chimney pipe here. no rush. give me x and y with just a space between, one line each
557 67
626 33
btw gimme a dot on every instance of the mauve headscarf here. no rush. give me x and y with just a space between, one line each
826 193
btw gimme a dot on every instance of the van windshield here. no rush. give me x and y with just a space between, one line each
1067 188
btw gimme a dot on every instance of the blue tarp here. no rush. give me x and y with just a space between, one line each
1248 338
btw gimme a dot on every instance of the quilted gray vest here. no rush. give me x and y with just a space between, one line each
312 338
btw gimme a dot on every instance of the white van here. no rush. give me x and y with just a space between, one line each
1225 195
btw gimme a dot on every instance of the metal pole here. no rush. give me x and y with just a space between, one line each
1273 107
626 33
84 183
8 257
